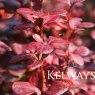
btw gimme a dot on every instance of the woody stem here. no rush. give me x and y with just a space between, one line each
41 32
43 79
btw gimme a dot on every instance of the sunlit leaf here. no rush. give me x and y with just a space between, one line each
24 88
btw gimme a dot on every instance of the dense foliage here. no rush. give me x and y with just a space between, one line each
42 38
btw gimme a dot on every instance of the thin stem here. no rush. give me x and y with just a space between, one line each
41 33
43 79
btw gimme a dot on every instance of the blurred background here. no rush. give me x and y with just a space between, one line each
10 18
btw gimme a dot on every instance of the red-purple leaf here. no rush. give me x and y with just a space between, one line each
24 88
92 34
25 11
55 60
74 22
65 2
60 44
78 59
72 47
87 25
34 79
4 48
58 88
33 46
37 38
83 51
17 47
60 52
50 19
49 59
76 1
58 11
29 17
45 49
24 26
34 65
40 14
20 57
